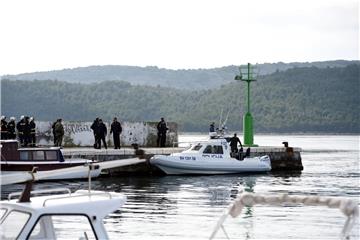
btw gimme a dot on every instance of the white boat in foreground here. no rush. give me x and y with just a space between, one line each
210 157
77 215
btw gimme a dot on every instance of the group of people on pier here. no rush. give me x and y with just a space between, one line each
25 130
100 131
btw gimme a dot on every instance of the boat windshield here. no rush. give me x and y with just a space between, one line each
2 212
214 149
197 147
63 227
13 224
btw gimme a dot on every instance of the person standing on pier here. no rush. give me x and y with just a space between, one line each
59 132
32 132
101 134
116 130
12 128
4 131
162 128
20 126
53 131
95 128
26 131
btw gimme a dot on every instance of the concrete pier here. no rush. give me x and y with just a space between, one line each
282 158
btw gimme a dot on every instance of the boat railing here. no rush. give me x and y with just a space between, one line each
54 190
195 142
348 207
87 194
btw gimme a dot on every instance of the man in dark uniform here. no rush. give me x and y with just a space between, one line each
20 128
4 130
59 132
116 130
32 132
26 131
101 134
53 132
162 128
233 143
11 128
95 128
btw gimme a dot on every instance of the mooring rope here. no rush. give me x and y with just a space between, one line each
348 207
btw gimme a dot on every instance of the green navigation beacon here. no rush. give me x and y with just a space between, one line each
247 74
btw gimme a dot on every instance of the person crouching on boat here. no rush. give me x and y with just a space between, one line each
212 131
233 144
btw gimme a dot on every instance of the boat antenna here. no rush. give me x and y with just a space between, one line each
226 119
221 113
26 193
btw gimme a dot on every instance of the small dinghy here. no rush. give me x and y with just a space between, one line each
210 157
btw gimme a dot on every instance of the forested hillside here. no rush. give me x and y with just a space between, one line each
152 76
305 99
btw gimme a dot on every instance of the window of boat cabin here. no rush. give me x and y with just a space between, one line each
63 227
38 155
25 155
13 224
213 149
51 155
197 147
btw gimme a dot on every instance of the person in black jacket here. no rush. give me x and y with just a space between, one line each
101 134
12 128
53 132
233 143
20 126
162 128
116 130
32 132
4 130
26 131
95 128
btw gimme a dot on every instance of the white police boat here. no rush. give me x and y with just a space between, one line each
210 157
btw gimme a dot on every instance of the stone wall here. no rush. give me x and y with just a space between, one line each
80 134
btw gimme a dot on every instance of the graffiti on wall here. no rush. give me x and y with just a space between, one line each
80 134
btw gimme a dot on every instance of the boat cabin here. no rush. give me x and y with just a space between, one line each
215 147
10 151
77 215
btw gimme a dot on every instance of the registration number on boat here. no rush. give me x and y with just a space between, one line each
187 158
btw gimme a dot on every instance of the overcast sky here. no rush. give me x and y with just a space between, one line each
41 35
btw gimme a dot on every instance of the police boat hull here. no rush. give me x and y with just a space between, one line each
177 164
210 157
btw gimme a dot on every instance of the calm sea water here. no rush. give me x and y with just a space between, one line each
188 207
